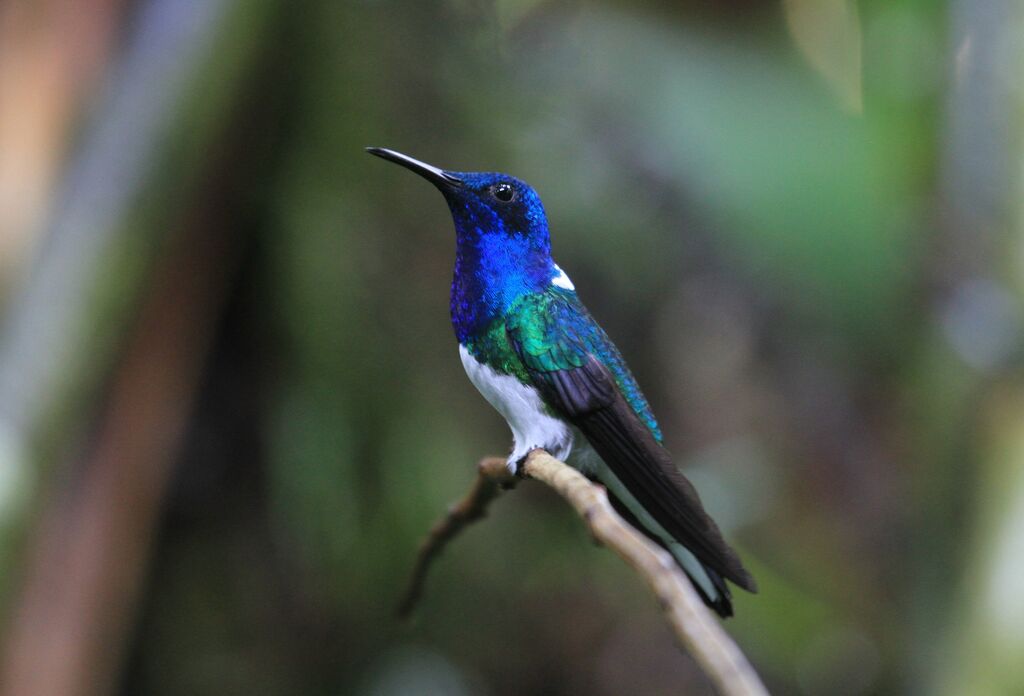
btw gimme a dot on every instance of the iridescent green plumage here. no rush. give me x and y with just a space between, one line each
493 348
554 331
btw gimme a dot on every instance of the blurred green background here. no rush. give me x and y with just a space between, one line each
230 401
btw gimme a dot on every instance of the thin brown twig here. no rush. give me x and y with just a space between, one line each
695 628
492 477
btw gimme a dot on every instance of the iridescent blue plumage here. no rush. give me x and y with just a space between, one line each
498 258
541 360
504 275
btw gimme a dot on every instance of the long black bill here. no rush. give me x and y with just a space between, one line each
438 177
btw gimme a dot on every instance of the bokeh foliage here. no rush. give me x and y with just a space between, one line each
785 215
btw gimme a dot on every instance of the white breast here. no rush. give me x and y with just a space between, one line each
523 408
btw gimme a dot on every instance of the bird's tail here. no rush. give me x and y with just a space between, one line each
710 585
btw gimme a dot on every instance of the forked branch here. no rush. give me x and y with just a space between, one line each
696 629
492 476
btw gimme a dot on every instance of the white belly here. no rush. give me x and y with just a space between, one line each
523 408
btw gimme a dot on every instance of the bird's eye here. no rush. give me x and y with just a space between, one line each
503 192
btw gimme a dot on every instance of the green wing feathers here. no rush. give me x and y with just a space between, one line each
554 331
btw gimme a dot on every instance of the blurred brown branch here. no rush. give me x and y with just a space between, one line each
694 626
492 476
87 558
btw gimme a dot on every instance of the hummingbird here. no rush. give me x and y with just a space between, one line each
540 359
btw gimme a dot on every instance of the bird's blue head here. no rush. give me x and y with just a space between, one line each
503 247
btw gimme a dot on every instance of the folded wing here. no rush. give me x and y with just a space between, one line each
565 353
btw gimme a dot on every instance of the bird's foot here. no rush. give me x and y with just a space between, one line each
517 465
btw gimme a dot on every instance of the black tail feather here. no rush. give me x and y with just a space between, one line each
721 606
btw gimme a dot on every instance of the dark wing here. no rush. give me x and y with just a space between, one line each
559 344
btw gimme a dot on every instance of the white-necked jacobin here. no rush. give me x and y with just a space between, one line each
535 353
